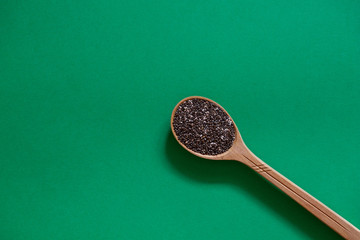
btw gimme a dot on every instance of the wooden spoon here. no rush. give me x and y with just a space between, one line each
239 152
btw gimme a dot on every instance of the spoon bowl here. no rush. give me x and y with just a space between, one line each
238 151
237 143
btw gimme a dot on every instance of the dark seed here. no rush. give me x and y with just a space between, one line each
203 127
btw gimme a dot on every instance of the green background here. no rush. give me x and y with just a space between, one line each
86 93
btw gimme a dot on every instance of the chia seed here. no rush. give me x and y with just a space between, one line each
203 127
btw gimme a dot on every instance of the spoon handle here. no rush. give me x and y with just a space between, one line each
318 209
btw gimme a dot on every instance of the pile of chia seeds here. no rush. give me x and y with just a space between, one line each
203 127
